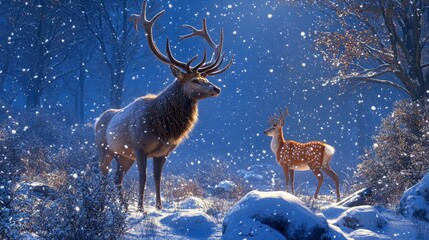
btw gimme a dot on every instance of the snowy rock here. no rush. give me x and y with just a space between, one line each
334 212
192 203
274 215
365 234
226 189
192 224
361 217
415 201
358 198
259 177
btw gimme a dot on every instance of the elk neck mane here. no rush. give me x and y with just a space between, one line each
171 114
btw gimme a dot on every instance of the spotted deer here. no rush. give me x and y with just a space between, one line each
154 125
295 156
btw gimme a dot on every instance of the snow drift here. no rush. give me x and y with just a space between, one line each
415 201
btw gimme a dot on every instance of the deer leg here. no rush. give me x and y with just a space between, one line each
124 164
141 164
158 164
328 170
286 172
319 177
292 180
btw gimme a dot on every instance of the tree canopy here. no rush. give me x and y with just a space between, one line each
375 41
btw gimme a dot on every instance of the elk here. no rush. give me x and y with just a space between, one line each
295 156
154 125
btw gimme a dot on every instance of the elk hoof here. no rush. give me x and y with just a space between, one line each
158 206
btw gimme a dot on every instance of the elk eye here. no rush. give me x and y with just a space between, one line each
195 81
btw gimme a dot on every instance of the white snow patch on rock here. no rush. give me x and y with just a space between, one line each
259 177
191 224
366 217
365 234
414 202
274 215
192 203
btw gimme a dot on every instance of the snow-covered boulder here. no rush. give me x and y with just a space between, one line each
274 215
191 224
415 201
358 198
226 189
259 177
192 203
366 217
334 212
365 234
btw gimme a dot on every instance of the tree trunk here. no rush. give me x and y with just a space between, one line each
116 87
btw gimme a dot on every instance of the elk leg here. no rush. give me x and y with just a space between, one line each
292 176
319 177
286 172
106 158
328 170
124 164
158 164
141 164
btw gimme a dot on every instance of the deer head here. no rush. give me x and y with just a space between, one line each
192 78
276 122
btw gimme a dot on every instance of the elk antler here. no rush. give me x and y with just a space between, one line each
209 68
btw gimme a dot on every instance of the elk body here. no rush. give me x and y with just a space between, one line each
153 125
295 156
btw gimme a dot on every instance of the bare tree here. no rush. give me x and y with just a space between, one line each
108 20
376 41
43 36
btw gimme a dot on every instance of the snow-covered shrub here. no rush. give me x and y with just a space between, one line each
87 207
275 215
14 210
177 188
399 157
414 203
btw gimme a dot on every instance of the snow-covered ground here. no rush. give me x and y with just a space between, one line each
274 215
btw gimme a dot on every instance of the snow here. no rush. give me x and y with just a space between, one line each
364 234
259 176
192 203
414 203
192 224
274 215
361 217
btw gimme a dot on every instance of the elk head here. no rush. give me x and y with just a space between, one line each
192 78
276 122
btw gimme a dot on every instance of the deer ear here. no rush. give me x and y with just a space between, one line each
177 73
282 122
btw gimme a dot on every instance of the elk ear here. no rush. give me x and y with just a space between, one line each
282 122
177 73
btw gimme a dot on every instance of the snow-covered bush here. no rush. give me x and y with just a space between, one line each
87 207
275 215
44 143
414 203
398 158
177 188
